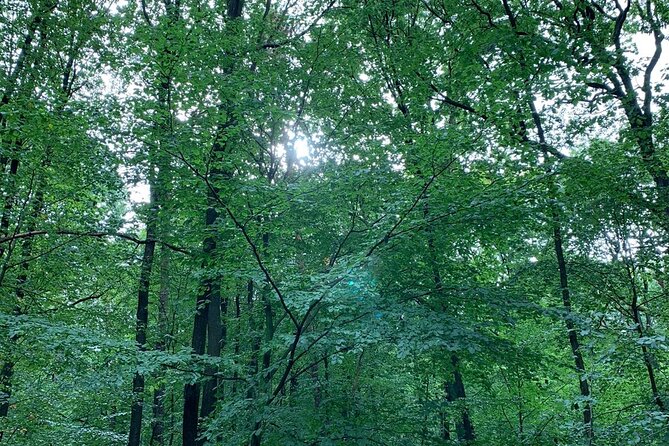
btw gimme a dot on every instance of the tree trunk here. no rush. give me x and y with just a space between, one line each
454 386
238 314
6 374
199 338
571 329
211 290
25 48
158 424
214 345
37 22
136 412
158 183
251 392
648 359
7 370
456 391
268 323
10 197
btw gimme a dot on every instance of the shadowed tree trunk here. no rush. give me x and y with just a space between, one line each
454 386
38 190
214 345
210 299
199 339
574 343
158 423
7 370
142 318
158 179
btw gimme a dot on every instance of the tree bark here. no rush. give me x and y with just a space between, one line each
214 345
456 392
210 299
574 343
251 392
199 339
158 183
158 423
6 374
647 355
454 385
142 318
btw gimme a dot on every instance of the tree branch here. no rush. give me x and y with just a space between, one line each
422 193
120 235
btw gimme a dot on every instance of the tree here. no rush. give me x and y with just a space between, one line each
388 222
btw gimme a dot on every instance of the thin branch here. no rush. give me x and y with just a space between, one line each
301 34
335 256
145 13
422 193
601 86
242 228
256 255
120 235
87 298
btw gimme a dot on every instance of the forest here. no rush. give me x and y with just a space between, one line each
334 222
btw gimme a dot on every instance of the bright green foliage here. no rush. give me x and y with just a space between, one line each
383 222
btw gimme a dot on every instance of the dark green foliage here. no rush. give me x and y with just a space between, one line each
333 223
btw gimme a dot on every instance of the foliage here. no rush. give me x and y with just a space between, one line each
333 222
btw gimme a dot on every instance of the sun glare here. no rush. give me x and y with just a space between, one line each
302 148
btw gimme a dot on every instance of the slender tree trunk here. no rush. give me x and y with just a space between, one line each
214 345
7 370
251 392
26 46
192 390
256 436
25 49
268 323
445 422
199 337
158 424
454 386
571 328
36 23
261 383
269 335
424 400
648 359
574 343
641 120
172 412
456 391
207 322
238 314
210 299
6 374
158 183
136 411
10 196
